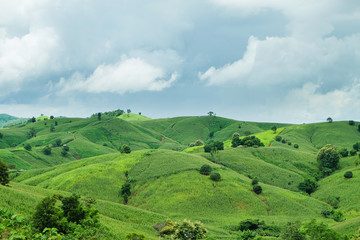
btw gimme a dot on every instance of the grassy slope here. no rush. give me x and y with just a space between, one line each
133 117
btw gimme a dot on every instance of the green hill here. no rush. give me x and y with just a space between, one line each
165 180
7 120
133 117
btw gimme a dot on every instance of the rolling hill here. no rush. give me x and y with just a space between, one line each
164 172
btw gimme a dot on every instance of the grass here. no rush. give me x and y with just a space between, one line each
133 117
167 184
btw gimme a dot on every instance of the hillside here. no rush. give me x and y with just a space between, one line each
7 120
165 180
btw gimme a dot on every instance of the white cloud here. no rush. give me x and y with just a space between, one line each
25 57
127 75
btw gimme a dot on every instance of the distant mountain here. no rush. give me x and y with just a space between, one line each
7 120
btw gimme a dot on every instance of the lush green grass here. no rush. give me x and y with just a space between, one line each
133 117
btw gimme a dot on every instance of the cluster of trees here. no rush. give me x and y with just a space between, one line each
248 141
181 230
207 170
197 143
256 187
69 215
214 146
114 113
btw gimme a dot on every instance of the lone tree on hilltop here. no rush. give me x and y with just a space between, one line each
99 116
329 120
328 158
210 114
4 173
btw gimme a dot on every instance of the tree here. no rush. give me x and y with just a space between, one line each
329 120
1 135
257 189
125 192
125 149
351 122
308 185
46 214
296 145
28 147
278 138
72 208
274 128
359 128
320 231
235 142
51 117
353 152
4 173
46 150
56 123
52 128
139 113
99 116
128 112
216 177
235 134
188 230
32 133
199 142
205 169
210 114
344 152
328 157
33 119
356 146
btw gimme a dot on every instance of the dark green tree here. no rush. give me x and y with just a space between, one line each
257 189
344 152
356 146
125 149
4 173
329 120
296 145
359 128
351 122
125 192
274 128
33 119
210 114
52 128
216 177
32 132
46 150
320 231
278 138
46 214
235 142
72 208
56 123
308 185
205 169
51 117
99 116
1 135
328 157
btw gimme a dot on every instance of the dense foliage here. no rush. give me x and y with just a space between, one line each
249 141
4 173
328 157
214 146
205 169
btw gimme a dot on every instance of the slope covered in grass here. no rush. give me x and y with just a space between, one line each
133 117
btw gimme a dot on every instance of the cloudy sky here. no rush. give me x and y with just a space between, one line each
254 60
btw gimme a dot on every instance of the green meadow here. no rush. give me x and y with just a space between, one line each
163 171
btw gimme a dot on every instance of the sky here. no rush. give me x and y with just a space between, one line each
253 60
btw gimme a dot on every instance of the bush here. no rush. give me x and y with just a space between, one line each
214 146
66 148
353 152
308 185
1 135
351 123
296 145
289 143
125 192
27 147
235 134
46 150
257 189
188 230
211 134
235 142
125 149
356 146
283 141
199 142
344 152
215 177
205 169
348 174
254 182
278 138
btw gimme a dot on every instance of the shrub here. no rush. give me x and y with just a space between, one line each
296 145
66 148
235 134
199 142
205 169
283 141
308 185
46 150
1 135
254 181
356 146
125 192
188 230
215 177
135 236
292 232
211 134
278 138
125 149
257 189
351 122
289 143
344 152
348 174
352 152
27 147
